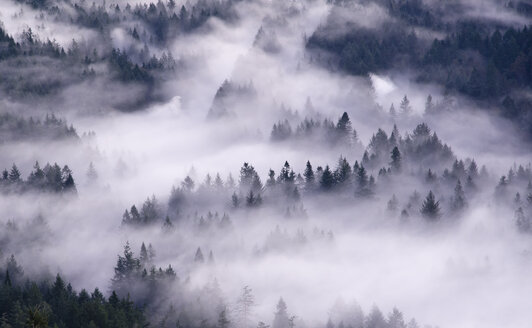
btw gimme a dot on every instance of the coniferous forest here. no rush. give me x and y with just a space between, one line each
265 163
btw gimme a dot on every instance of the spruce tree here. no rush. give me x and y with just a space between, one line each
430 209
458 202
396 159
309 177
327 179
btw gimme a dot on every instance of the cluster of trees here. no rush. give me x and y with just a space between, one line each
281 240
26 303
515 188
418 156
138 278
227 95
16 128
51 178
309 130
477 58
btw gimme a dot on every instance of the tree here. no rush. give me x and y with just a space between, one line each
69 185
396 159
223 321
458 202
362 183
14 174
375 319
144 259
406 109
188 184
430 209
344 128
281 319
343 172
429 106
244 306
396 320
92 175
392 111
523 222
327 179
393 204
234 200
309 177
126 270
198 258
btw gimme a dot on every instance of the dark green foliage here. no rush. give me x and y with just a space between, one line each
46 304
327 179
478 58
126 70
458 201
309 177
430 209
49 179
396 159
15 128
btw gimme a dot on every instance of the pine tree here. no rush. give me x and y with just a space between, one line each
92 175
198 257
523 222
235 201
144 260
430 209
392 111
406 109
362 183
343 172
223 321
14 174
327 179
281 319
309 177
393 204
244 306
396 159
344 128
458 202
429 106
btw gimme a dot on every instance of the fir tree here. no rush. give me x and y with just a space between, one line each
430 209
396 159
327 179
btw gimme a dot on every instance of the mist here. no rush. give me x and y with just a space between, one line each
203 160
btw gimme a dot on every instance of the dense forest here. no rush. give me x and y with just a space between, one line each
265 164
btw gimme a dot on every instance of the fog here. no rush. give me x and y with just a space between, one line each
470 268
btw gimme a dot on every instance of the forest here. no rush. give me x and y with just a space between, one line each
265 163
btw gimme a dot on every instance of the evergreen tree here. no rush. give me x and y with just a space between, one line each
458 202
281 319
430 209
392 111
309 177
343 172
393 204
429 106
362 183
14 174
327 179
92 175
523 222
406 109
223 321
198 257
235 201
244 306
396 159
